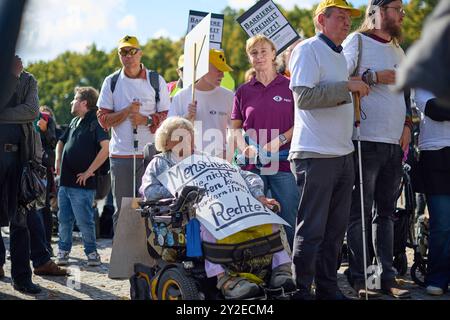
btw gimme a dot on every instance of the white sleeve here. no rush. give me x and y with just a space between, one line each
105 98
164 98
305 69
421 98
351 52
175 107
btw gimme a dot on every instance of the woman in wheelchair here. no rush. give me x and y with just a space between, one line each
175 141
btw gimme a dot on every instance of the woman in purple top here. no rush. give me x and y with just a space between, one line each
264 109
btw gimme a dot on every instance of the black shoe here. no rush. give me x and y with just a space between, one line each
27 287
303 294
339 296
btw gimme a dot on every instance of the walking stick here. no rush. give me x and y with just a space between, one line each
357 105
135 204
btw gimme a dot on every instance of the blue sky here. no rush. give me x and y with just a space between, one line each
53 26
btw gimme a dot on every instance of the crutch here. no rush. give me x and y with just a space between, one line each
357 105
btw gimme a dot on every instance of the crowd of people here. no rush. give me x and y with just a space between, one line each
291 131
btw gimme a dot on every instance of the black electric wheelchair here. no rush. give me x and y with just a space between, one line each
178 277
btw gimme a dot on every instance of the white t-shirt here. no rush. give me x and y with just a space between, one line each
213 116
327 131
384 110
122 138
434 135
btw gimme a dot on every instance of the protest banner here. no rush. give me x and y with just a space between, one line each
216 31
228 206
196 54
266 18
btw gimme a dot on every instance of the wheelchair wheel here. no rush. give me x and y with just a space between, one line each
139 287
401 263
418 272
174 285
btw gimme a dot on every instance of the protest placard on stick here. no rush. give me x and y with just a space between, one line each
196 53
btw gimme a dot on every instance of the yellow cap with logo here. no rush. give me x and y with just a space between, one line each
129 41
338 4
217 58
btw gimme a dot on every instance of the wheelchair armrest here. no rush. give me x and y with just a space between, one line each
156 203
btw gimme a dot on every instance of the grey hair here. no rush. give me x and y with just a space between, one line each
327 12
167 128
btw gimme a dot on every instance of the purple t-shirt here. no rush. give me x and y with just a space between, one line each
269 111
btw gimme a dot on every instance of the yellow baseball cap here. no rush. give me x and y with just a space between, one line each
338 4
217 58
181 61
129 41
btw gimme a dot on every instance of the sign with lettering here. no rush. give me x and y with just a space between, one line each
228 206
216 31
265 18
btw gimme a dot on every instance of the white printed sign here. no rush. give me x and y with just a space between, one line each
228 206
216 30
265 18
196 52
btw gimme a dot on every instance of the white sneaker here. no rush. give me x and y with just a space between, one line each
62 259
435 291
94 259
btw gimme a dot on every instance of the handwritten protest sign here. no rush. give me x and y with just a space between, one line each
265 18
196 52
216 30
228 206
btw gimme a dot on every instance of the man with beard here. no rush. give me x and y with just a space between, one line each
373 53
81 150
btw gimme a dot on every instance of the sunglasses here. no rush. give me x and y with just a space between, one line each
130 52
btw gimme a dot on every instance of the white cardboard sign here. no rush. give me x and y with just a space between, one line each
228 206
265 18
216 31
196 52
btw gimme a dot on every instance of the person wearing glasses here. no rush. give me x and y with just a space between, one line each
128 100
373 52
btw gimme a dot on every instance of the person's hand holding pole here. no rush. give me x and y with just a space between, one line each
358 86
192 111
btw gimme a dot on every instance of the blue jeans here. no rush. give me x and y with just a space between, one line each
438 273
283 188
76 204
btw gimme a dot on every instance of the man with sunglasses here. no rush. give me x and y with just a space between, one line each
374 53
130 103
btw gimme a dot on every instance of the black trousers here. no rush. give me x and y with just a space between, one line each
10 172
325 188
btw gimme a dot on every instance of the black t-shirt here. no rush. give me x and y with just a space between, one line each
81 145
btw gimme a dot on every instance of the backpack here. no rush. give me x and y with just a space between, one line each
153 78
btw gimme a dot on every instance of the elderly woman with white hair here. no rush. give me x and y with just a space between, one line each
175 140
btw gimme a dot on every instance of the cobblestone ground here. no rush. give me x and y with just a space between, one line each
95 284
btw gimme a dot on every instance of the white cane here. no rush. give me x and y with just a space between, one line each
356 103
134 204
